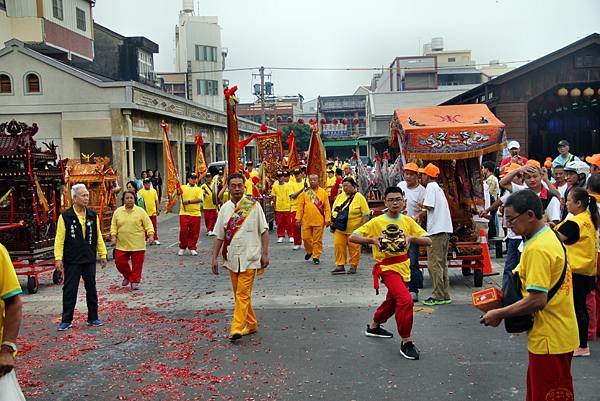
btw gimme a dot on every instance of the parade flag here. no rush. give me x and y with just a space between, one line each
293 156
173 185
233 134
201 167
270 150
316 163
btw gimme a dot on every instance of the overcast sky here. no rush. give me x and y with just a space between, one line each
355 33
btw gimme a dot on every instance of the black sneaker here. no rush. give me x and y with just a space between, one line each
409 351
338 271
307 256
378 332
316 261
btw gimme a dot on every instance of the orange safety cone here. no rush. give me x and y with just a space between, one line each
485 252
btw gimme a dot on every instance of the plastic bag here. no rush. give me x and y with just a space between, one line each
9 388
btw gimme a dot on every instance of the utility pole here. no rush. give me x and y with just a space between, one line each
263 117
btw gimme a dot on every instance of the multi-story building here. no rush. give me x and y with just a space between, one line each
279 110
200 56
61 29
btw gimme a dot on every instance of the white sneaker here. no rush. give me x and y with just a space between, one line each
279 240
291 240
296 247
156 242
211 234
181 252
193 253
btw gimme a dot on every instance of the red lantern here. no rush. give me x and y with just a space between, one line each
323 121
355 121
335 121
289 120
345 121
300 121
279 119
312 121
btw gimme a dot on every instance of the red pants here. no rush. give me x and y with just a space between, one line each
295 231
549 377
210 218
189 231
153 220
593 307
283 221
397 302
132 273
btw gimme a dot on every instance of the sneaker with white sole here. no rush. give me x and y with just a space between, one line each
156 242
291 240
296 247
377 332
64 326
279 240
409 351
582 352
181 252
193 253
211 234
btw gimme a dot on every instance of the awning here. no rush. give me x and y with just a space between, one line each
345 143
447 132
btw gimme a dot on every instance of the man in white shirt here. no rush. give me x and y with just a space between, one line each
243 233
414 193
439 228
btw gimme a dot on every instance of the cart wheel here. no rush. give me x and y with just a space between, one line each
466 271
478 277
32 284
57 277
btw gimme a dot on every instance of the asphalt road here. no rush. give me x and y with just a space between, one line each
168 341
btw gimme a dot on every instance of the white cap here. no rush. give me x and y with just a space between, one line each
513 145
578 167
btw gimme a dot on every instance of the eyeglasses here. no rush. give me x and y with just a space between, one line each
394 200
511 221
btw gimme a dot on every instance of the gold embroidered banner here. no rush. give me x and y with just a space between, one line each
316 163
172 179
201 167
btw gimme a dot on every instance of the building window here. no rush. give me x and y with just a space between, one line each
145 65
451 59
57 9
208 87
206 53
5 84
81 22
32 83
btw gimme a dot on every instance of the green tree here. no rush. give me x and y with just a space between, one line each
303 134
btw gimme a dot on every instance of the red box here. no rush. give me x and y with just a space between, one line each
487 299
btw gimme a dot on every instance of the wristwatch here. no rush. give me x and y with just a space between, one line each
12 346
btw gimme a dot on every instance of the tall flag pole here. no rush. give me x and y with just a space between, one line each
201 167
293 156
316 163
173 185
233 134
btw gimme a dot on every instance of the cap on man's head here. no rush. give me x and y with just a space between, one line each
431 170
192 175
534 163
594 159
411 167
330 171
146 181
563 142
513 145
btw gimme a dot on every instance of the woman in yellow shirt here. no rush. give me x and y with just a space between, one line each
356 205
579 234
130 228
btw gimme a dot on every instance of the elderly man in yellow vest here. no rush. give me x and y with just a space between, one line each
243 241
313 214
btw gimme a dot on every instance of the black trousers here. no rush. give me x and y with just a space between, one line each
73 273
582 285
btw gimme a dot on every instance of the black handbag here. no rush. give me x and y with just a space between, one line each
341 220
512 293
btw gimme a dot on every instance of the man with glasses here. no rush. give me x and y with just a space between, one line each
553 337
393 268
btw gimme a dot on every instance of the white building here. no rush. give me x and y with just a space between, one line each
198 49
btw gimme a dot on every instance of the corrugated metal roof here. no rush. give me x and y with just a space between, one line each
446 71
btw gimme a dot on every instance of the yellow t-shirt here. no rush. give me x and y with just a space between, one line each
583 261
330 184
554 327
190 193
248 185
282 197
9 284
374 229
207 196
150 197
131 226
294 187
358 208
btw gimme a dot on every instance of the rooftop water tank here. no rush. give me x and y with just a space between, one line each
188 6
437 44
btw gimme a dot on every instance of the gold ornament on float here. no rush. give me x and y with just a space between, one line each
575 92
563 92
588 92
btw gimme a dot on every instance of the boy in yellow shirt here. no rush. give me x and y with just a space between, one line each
189 216
152 206
295 188
209 208
281 202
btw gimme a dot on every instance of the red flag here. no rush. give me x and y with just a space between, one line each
293 156
233 134
316 163
173 185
